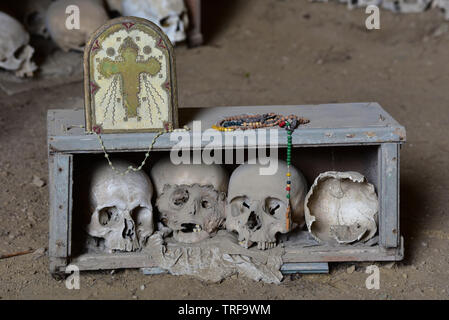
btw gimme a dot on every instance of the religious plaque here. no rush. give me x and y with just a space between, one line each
129 78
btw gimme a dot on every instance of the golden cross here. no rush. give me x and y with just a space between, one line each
129 70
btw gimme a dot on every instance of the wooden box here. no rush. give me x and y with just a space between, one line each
342 137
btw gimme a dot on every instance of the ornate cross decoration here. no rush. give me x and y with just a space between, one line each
130 79
129 70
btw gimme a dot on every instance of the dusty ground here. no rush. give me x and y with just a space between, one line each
266 52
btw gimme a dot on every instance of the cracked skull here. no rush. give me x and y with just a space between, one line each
170 15
341 207
191 198
257 204
121 204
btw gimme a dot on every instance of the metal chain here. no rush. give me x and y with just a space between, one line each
147 154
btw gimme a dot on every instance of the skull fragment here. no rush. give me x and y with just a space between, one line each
341 207
257 204
170 15
15 52
191 198
92 15
121 213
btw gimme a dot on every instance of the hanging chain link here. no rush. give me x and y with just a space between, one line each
147 154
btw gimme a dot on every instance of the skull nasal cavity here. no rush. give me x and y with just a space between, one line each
128 231
253 221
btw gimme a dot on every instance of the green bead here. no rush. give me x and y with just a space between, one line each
288 195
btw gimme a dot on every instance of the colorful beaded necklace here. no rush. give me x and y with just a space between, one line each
245 122
288 126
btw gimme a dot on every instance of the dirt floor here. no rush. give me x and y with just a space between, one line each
263 52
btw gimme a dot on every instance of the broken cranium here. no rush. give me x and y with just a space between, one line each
91 16
15 52
170 15
257 204
122 217
191 198
341 207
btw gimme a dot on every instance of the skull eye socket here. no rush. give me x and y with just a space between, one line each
180 197
164 22
275 207
208 200
239 205
107 214
141 215
206 204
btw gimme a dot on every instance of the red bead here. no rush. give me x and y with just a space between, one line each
282 124
288 188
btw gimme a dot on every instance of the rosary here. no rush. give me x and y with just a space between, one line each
289 123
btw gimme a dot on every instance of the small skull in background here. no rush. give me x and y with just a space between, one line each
170 15
34 17
92 15
443 5
257 204
15 52
191 198
121 212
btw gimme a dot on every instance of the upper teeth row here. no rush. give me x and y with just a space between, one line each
197 228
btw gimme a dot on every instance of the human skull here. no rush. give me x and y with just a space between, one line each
443 5
121 204
15 52
170 15
257 204
92 15
191 198
34 17
341 207
362 3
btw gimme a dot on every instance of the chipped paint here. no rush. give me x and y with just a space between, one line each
400 132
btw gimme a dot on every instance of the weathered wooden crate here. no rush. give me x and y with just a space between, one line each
343 137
